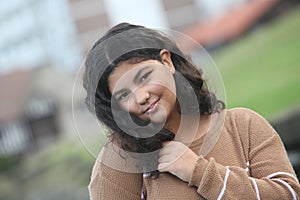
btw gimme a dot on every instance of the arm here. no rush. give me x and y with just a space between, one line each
271 174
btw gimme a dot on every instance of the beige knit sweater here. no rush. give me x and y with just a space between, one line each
247 162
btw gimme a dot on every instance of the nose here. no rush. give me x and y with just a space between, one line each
141 96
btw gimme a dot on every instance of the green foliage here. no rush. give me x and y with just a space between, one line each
61 171
7 163
261 70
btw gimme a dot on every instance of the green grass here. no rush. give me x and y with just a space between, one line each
262 69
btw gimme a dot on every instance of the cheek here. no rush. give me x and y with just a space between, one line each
170 98
165 79
127 105
167 90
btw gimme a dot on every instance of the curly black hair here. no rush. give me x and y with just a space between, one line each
144 44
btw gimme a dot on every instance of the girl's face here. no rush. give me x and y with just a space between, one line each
146 89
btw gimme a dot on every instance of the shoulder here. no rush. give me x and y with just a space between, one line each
243 112
111 167
108 181
246 120
244 116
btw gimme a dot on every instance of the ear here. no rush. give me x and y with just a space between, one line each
165 56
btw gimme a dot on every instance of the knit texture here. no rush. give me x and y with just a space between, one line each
248 161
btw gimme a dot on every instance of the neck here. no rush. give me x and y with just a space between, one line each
188 128
173 123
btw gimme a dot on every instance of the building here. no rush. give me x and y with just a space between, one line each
36 108
90 19
28 117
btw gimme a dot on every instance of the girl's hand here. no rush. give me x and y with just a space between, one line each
177 159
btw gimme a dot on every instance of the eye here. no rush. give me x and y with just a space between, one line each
122 96
145 76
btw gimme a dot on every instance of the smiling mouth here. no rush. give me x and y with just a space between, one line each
152 107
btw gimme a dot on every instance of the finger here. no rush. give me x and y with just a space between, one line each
164 159
164 151
163 167
168 146
172 145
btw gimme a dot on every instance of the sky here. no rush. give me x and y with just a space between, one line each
144 12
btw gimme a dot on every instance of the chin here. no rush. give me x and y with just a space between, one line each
158 117
159 121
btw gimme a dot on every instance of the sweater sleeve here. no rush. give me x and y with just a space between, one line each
269 174
108 183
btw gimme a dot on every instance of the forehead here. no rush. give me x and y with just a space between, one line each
126 71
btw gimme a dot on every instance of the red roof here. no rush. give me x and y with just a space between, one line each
230 25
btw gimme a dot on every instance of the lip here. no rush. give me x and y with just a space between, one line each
152 107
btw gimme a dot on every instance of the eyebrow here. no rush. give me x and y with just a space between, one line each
118 92
135 79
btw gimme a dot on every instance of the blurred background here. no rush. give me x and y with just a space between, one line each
254 43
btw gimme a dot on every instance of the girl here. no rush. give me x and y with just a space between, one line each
170 137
